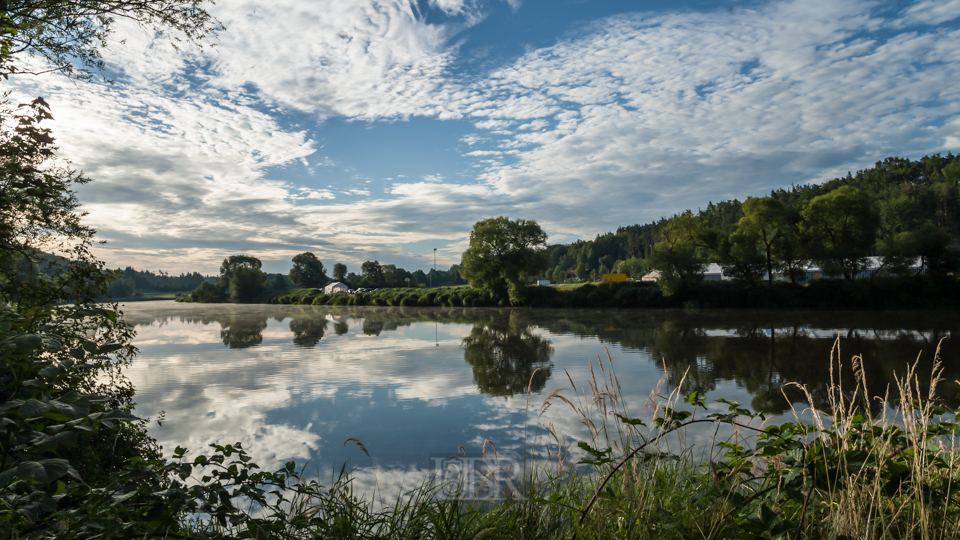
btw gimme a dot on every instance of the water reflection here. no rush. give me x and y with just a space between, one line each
506 356
759 351
293 382
239 332
307 332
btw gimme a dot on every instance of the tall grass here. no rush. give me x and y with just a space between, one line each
867 467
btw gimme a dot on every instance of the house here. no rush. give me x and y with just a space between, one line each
653 275
336 288
714 272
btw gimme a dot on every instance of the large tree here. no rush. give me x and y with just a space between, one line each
679 254
372 274
242 274
845 224
768 220
308 271
741 256
339 272
503 254
233 262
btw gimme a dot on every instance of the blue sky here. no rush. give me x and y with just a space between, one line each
381 129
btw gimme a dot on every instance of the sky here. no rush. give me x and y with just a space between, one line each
383 129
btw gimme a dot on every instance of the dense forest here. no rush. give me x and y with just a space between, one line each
901 210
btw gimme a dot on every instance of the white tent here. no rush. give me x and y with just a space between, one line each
336 287
652 275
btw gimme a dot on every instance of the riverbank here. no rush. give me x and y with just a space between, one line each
879 293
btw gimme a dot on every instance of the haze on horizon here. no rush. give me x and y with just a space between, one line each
381 129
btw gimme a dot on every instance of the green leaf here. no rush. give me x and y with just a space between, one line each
27 343
33 407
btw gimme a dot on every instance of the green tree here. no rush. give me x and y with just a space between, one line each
791 252
633 267
502 254
69 34
122 288
741 254
339 272
233 262
372 274
679 253
766 219
279 283
582 272
45 249
308 271
208 293
247 285
929 245
845 224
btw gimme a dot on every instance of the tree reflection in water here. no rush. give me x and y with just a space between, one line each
307 332
504 353
758 351
239 331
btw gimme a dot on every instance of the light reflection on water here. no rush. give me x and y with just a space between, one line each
294 382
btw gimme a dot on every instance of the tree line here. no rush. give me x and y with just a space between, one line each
901 210
129 281
242 279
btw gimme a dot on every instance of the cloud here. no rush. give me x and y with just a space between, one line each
642 116
932 12
196 153
365 60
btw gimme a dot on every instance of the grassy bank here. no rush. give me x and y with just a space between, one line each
880 293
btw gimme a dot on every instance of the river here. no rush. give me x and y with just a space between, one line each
296 382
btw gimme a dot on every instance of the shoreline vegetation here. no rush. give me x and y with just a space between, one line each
872 294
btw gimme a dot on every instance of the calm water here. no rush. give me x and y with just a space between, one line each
294 382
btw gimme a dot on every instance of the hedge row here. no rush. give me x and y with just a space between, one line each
880 293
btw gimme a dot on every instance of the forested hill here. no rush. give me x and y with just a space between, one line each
902 197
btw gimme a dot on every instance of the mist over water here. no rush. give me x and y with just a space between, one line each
294 382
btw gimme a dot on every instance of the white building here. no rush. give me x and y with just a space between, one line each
652 275
336 288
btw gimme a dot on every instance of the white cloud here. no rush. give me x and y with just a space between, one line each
932 12
657 114
633 118
361 59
